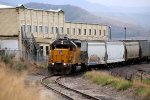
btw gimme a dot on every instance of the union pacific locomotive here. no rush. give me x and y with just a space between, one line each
67 56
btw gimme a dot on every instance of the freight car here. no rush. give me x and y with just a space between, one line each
67 56
105 53
118 52
70 55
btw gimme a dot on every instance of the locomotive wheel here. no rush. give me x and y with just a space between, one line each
83 67
73 68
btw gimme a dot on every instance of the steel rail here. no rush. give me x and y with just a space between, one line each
67 88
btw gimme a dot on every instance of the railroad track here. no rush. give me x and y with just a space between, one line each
52 82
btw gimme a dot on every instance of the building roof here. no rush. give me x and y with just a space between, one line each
85 23
23 7
58 10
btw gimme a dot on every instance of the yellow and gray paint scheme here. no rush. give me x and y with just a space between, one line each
66 56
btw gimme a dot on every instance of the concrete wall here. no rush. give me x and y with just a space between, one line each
8 22
44 50
47 23
86 31
9 44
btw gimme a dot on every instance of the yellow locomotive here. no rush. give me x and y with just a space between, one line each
67 56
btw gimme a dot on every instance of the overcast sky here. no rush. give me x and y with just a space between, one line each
124 3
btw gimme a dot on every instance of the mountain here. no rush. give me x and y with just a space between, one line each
4 3
137 23
77 14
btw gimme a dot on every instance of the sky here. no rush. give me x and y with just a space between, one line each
125 3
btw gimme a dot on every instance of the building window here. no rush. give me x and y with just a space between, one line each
61 30
28 28
84 31
35 29
104 32
100 32
23 28
79 31
46 29
41 48
94 31
47 50
40 29
68 31
74 31
56 29
51 30
90 32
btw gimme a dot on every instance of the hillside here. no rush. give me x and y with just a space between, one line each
76 14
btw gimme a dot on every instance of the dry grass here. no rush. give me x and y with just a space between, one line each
12 86
104 78
142 90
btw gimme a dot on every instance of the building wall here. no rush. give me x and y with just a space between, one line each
44 48
9 44
8 22
86 31
45 25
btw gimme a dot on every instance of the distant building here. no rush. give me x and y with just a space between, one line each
85 31
19 23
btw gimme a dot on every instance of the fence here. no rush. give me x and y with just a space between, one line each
27 57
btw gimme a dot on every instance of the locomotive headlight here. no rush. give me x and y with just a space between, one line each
64 64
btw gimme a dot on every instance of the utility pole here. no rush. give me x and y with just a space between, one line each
110 32
125 32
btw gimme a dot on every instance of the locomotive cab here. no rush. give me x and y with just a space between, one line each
62 56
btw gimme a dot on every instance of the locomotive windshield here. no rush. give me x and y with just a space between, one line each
60 46
65 44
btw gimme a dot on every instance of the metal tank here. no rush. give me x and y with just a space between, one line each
132 49
115 51
144 49
96 52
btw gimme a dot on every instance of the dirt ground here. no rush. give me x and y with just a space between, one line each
130 72
45 94
79 82
105 93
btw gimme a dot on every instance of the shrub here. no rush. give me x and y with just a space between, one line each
121 84
7 58
103 78
143 92
19 66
